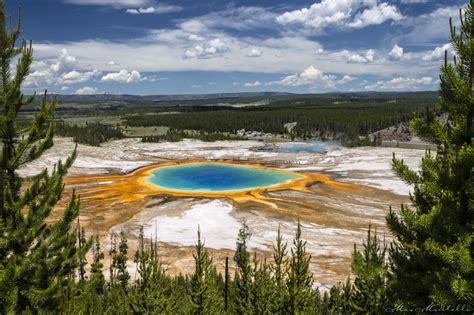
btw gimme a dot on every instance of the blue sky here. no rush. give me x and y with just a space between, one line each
176 47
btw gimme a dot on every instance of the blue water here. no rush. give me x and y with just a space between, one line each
216 177
302 147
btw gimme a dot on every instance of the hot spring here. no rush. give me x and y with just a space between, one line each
217 177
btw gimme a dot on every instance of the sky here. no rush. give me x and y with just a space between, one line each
150 47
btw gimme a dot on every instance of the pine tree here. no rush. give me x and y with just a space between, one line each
264 290
205 298
97 278
119 261
279 269
37 260
243 273
432 260
299 279
370 270
152 292
112 254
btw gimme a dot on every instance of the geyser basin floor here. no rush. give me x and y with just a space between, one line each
218 177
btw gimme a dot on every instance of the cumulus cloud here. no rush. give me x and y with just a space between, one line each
345 79
376 15
310 75
253 84
396 53
437 53
75 77
62 70
210 49
64 62
254 52
87 90
401 84
161 9
123 76
341 14
362 58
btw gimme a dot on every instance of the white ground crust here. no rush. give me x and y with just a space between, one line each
365 165
177 222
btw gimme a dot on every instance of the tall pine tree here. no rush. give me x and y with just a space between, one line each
37 260
243 286
432 260
299 297
205 299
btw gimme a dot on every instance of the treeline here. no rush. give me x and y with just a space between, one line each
325 122
174 135
282 285
90 133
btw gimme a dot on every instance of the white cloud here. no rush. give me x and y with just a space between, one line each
345 79
396 53
113 3
61 70
362 58
254 53
87 90
341 14
112 63
123 76
376 15
437 53
195 37
401 84
64 62
161 9
212 48
196 86
413 1
74 77
310 75
253 84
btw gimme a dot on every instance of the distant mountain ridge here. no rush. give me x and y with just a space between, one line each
243 95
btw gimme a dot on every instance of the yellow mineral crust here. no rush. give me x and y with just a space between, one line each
135 186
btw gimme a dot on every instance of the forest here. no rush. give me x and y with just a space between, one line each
429 267
336 122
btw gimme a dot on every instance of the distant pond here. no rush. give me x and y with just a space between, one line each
299 147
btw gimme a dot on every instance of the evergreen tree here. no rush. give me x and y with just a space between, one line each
370 270
205 298
279 269
432 259
243 274
112 254
151 292
299 279
37 260
264 290
119 262
97 276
